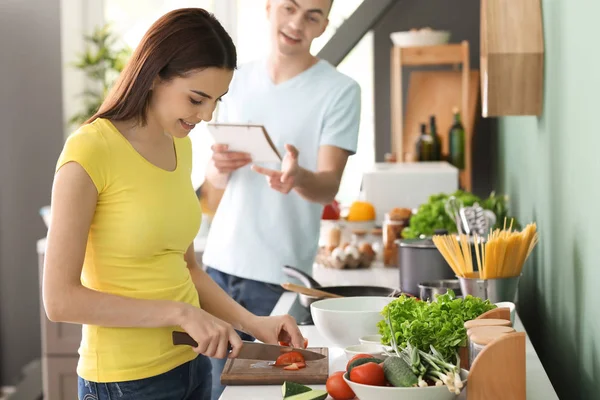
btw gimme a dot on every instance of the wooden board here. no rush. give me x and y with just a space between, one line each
437 93
251 372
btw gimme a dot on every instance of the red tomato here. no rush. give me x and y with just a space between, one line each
356 357
338 388
289 358
368 374
331 211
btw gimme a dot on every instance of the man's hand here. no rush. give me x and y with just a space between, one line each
285 180
228 161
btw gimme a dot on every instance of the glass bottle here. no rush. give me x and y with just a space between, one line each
456 142
424 145
435 138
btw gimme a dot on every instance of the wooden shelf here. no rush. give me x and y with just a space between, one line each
443 91
512 57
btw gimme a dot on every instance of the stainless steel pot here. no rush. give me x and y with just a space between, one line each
420 261
428 290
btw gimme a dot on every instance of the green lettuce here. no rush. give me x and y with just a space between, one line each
439 324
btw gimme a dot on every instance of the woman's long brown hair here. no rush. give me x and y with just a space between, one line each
180 41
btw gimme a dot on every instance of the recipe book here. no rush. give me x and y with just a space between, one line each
252 139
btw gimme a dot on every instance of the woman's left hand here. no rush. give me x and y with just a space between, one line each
285 180
272 330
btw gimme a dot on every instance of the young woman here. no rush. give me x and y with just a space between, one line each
120 257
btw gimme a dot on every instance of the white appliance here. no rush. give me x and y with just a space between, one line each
406 185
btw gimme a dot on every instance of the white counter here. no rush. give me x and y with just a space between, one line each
538 384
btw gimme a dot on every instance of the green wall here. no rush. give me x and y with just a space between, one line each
550 167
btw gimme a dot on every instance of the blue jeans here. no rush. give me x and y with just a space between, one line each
189 381
257 297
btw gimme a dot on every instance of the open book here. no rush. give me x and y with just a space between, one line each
252 139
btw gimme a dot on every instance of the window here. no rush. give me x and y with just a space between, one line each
132 18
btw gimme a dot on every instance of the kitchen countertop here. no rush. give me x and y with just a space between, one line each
538 384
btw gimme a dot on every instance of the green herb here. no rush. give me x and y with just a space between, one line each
432 215
424 324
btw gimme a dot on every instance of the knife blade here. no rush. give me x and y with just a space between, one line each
253 350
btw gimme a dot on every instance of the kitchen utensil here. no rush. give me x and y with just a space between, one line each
429 289
343 321
453 207
420 261
251 372
253 350
495 290
404 393
345 291
309 291
370 339
477 220
375 350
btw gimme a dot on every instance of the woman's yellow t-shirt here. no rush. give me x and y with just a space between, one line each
145 220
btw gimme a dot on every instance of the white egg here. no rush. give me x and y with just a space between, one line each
353 252
337 253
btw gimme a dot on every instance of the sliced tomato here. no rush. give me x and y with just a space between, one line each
289 358
368 374
292 367
337 387
301 364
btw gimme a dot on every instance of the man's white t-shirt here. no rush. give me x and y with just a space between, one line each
257 230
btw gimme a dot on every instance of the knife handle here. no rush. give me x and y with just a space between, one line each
183 338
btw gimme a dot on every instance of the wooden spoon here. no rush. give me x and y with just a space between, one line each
308 291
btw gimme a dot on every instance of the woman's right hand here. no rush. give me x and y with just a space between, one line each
228 161
212 334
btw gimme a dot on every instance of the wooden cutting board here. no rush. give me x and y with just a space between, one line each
252 372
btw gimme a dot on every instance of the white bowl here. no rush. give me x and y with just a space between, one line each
510 306
422 37
343 320
375 350
370 339
410 393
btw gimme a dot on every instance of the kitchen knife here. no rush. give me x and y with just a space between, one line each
253 350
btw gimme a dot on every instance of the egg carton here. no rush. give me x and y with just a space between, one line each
341 259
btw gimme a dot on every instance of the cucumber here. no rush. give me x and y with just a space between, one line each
312 395
398 373
362 361
289 389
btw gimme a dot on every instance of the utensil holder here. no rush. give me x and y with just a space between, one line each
495 290
499 371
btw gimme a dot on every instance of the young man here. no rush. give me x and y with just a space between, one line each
269 215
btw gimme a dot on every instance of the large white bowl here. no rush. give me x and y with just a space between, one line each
343 320
422 37
410 393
